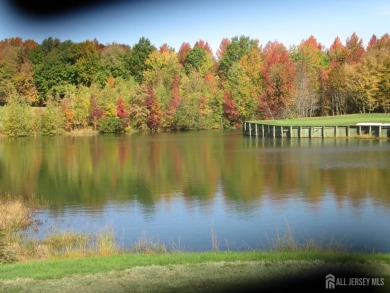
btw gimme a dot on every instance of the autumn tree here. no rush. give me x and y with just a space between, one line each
122 112
245 83
234 50
162 69
279 82
222 48
381 52
95 112
24 83
333 100
9 63
166 48
310 61
80 98
230 110
355 49
367 81
204 45
198 59
138 110
154 115
16 71
174 103
200 105
66 109
184 48
215 99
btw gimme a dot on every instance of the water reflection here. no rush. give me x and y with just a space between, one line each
201 177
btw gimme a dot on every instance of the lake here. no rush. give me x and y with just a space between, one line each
185 189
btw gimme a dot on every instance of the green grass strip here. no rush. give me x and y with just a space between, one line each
54 269
341 120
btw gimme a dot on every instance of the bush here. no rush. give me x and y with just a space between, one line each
6 256
52 121
111 124
17 120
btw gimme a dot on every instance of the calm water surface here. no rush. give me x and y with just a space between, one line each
180 188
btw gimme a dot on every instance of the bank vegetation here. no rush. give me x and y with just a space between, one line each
60 87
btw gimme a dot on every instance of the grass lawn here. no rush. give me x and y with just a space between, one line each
195 272
341 120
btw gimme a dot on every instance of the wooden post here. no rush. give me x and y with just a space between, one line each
262 130
335 131
273 130
256 129
250 129
290 131
379 131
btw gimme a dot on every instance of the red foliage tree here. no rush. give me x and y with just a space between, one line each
184 48
355 49
154 117
122 112
121 109
164 48
174 102
337 51
204 45
210 79
222 48
230 110
279 72
373 42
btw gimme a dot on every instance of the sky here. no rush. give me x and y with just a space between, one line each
173 22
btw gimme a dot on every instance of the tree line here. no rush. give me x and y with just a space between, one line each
62 85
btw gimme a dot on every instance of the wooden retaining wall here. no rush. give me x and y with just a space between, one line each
273 131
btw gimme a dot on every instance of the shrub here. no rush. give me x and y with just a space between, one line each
17 120
111 124
52 121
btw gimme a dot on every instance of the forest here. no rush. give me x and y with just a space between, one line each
61 86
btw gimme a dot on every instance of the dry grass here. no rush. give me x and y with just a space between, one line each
289 243
65 244
14 215
148 246
214 240
86 131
